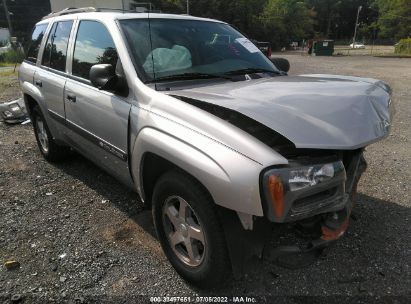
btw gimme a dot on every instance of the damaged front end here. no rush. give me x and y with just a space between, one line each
313 195
321 125
319 207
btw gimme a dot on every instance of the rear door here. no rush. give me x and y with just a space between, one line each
51 76
97 119
26 72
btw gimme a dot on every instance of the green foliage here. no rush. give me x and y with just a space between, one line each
25 14
403 47
395 18
277 21
285 21
12 56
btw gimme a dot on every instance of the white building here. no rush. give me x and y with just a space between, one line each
4 34
58 5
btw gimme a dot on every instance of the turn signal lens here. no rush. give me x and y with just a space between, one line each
276 190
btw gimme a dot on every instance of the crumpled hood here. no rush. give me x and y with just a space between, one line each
312 111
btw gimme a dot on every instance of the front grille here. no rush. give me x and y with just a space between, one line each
311 202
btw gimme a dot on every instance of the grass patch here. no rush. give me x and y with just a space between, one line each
6 64
8 73
403 47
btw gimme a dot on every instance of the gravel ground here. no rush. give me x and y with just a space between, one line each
78 234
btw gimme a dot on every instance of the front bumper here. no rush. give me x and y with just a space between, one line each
13 112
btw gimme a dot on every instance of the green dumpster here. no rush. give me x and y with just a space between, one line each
323 48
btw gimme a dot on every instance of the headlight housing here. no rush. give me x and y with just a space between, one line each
282 187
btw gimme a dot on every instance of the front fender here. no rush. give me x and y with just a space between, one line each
231 178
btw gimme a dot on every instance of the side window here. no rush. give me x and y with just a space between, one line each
34 45
94 45
55 52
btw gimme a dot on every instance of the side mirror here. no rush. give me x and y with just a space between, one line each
103 76
281 63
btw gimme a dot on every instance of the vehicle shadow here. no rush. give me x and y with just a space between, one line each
353 265
113 191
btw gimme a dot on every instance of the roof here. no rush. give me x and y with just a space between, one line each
118 14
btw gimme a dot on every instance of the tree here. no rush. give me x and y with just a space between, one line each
327 13
285 21
24 14
394 19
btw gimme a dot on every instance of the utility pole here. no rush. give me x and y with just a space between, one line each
6 11
356 26
188 7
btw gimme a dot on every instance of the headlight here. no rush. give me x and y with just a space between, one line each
283 186
310 176
15 108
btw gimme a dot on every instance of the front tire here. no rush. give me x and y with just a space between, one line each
189 230
50 150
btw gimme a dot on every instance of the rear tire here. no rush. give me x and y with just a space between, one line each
50 150
189 230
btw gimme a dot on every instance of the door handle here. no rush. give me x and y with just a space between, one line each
39 83
71 97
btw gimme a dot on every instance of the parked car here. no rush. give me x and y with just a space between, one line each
213 136
264 47
357 46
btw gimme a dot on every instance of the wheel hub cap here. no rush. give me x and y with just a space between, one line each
184 231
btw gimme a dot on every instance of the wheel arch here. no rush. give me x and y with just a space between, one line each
30 103
153 167
156 152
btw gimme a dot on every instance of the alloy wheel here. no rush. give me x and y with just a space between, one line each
184 231
42 135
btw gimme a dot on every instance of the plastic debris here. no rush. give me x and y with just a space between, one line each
11 264
13 112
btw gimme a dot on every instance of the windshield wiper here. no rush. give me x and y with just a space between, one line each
188 76
254 71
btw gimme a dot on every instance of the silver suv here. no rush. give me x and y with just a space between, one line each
207 130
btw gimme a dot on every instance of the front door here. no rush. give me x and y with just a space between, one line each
97 120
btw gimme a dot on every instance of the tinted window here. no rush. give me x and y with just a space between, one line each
55 52
93 46
34 45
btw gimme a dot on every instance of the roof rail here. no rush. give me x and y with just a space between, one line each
74 10
70 10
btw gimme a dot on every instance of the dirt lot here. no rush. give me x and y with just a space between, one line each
79 234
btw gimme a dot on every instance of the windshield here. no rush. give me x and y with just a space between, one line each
171 48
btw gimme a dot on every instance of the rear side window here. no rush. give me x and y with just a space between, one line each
55 52
94 45
34 45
